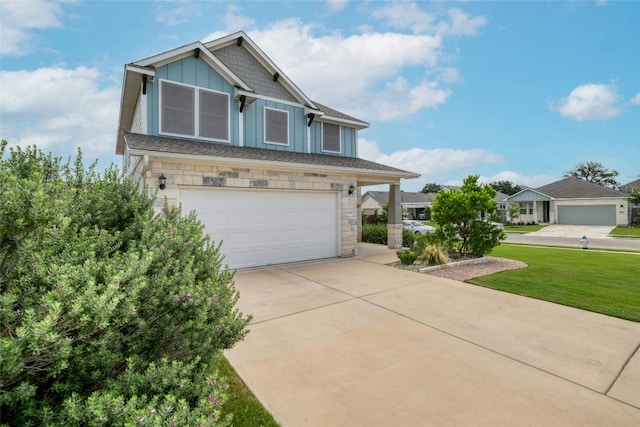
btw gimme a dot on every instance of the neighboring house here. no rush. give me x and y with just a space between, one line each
272 174
634 211
572 201
414 203
501 210
630 186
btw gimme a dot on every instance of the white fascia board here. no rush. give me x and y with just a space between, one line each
140 70
357 124
393 176
186 51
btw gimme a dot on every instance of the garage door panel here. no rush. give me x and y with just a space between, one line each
587 215
262 227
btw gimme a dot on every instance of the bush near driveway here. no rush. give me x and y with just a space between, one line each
109 312
377 233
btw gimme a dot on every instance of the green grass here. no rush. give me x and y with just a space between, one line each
246 409
631 231
522 228
603 282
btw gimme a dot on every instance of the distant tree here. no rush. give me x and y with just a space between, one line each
595 172
505 187
430 187
465 218
635 196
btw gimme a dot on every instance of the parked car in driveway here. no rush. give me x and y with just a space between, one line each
417 227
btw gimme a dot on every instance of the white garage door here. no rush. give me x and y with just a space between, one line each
263 227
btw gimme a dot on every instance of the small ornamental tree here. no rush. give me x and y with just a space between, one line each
109 312
513 211
465 218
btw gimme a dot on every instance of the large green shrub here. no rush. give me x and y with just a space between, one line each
108 311
374 233
465 218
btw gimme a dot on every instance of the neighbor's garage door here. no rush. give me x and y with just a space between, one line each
587 215
263 227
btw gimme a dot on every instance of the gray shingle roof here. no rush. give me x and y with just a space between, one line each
629 186
178 146
330 112
572 187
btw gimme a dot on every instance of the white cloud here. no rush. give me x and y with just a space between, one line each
589 102
366 66
60 109
636 99
405 15
357 67
234 20
462 24
19 18
177 14
434 165
337 5
409 15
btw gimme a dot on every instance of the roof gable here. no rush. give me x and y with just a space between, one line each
242 41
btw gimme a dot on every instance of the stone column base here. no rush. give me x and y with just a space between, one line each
394 236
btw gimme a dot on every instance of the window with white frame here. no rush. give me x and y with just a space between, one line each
276 126
193 111
330 137
523 208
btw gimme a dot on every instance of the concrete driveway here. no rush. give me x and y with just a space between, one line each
353 342
574 231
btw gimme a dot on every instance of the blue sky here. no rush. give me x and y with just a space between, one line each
517 91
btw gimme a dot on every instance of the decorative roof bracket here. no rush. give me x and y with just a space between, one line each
197 53
144 84
243 99
275 77
239 42
311 116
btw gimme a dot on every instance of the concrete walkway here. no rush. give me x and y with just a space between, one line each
353 342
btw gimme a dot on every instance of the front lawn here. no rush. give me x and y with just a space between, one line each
523 228
603 282
631 231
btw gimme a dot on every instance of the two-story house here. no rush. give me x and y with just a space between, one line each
218 128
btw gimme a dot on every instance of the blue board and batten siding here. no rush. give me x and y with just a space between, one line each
196 72
254 126
347 140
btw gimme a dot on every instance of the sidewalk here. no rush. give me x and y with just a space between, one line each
352 342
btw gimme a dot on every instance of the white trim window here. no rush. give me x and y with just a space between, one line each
193 111
276 126
331 140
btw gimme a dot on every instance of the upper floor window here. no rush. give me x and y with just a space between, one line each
192 111
276 126
330 137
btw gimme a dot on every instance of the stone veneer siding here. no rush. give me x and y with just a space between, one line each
183 173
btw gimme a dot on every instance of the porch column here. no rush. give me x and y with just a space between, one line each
535 212
394 222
